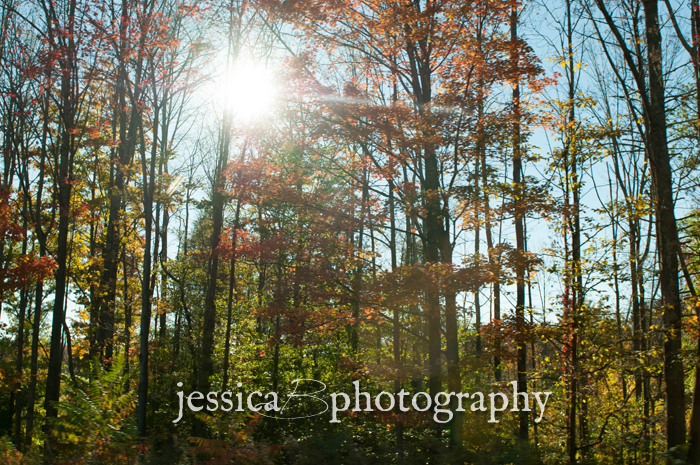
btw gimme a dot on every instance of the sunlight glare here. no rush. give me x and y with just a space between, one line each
250 92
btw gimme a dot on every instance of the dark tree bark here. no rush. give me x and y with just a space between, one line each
218 203
147 282
129 123
19 365
477 230
419 58
666 230
574 282
232 297
396 325
656 144
693 49
39 289
519 233
494 263
63 41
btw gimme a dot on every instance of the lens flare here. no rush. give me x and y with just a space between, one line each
250 91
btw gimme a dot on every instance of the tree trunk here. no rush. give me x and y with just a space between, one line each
232 296
656 144
519 235
19 362
129 125
64 168
218 203
39 292
148 176
666 230
694 439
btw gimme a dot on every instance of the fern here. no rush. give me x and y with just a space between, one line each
95 423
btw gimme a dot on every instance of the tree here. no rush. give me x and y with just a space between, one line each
651 91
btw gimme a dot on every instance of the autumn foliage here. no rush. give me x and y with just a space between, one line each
424 196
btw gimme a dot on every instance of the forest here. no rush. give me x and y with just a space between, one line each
282 203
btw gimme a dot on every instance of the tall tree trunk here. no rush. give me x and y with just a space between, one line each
519 234
148 176
396 328
39 290
127 315
34 363
218 203
666 230
432 232
477 239
166 215
94 317
64 179
19 365
53 379
359 269
232 296
19 362
656 144
694 439
433 227
574 275
494 263
129 124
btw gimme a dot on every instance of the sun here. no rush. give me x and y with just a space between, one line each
250 92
